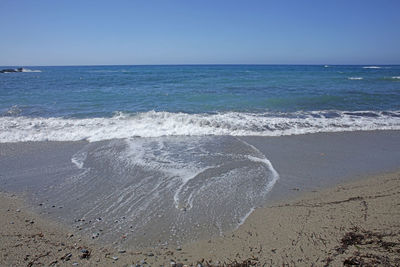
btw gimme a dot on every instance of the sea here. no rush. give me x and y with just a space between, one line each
105 102
156 154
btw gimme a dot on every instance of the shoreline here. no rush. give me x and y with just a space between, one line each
352 222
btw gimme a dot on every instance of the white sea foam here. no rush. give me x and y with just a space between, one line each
29 70
372 67
177 159
155 124
244 218
355 78
396 77
78 159
183 162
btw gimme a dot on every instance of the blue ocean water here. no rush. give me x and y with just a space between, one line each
214 99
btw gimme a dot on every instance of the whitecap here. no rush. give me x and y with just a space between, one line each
355 78
156 124
372 67
29 70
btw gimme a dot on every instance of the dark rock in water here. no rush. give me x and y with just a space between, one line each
8 70
12 70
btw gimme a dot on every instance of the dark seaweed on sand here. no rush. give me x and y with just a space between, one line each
371 248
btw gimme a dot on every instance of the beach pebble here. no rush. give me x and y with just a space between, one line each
85 253
67 257
150 254
18 210
114 258
172 263
121 251
75 264
179 248
95 235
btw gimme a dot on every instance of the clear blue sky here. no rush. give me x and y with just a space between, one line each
79 32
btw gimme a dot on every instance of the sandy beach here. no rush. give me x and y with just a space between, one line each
353 223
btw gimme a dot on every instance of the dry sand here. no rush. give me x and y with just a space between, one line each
354 223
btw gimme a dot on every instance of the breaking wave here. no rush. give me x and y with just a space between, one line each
29 70
156 124
372 67
355 78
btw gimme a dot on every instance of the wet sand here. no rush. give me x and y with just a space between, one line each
303 220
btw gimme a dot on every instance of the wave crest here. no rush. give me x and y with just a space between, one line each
29 70
156 124
372 67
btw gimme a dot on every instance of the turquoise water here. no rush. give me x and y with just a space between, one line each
224 97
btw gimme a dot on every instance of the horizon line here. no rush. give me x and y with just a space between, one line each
204 64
